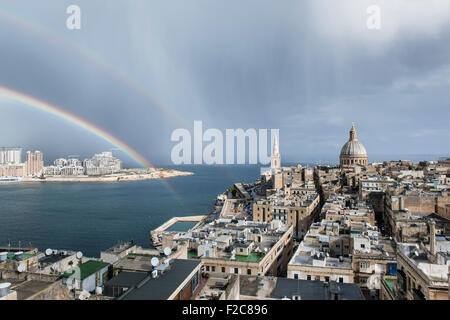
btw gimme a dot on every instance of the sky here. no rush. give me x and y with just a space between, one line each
141 69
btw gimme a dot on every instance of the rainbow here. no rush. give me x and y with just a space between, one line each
51 109
99 62
44 106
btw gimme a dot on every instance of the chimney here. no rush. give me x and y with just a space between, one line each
433 237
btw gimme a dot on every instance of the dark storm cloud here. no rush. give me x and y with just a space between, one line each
309 68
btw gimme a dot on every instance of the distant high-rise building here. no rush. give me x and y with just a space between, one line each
34 163
10 155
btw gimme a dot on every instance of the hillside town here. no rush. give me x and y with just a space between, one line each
354 231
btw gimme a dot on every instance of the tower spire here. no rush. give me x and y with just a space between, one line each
275 145
275 160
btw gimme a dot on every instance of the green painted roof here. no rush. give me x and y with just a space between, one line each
26 256
90 267
252 257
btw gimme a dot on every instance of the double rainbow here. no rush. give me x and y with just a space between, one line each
51 109
44 106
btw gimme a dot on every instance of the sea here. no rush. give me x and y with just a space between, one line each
91 217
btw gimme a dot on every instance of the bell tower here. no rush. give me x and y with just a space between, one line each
275 159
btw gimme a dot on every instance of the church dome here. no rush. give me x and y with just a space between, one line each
353 148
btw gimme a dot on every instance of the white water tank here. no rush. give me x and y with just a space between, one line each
4 289
3 256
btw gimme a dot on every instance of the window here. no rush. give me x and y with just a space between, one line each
341 280
308 277
236 270
223 269
364 265
249 271
207 268
327 279
296 276
213 269
363 246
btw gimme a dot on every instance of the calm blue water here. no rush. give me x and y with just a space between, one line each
182 226
94 216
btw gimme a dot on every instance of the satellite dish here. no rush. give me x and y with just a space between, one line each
79 255
167 251
21 268
55 267
155 261
84 295
374 282
55 252
48 252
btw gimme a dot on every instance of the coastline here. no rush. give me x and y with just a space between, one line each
125 175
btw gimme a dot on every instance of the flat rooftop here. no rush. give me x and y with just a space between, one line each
136 263
25 256
28 288
119 248
47 260
279 288
127 279
252 257
162 287
326 262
